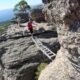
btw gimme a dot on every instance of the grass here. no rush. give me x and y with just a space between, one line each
4 25
39 69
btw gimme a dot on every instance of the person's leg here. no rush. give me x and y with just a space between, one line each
31 31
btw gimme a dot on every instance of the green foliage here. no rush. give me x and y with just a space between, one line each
21 6
4 25
39 69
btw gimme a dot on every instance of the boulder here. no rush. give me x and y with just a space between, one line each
66 17
60 69
19 56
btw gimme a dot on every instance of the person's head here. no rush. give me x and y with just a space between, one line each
30 20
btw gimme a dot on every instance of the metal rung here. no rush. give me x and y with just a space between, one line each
48 52
52 56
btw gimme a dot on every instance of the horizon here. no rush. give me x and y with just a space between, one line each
4 5
7 6
8 14
13 8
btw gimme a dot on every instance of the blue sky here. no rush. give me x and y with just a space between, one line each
7 4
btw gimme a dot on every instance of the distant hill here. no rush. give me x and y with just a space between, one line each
37 6
9 14
6 15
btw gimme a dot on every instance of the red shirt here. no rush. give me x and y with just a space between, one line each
30 25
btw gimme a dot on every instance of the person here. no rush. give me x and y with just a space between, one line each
18 22
30 27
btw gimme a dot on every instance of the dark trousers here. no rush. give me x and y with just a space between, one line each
31 30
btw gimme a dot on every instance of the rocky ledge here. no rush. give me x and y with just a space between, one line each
19 56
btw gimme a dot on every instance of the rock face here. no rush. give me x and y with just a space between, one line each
37 15
65 16
19 59
60 69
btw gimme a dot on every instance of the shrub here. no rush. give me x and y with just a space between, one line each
4 25
39 69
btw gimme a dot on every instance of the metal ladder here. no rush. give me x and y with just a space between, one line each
46 51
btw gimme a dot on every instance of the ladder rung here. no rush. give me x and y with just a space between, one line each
52 56
48 52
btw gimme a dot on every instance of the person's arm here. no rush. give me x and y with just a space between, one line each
34 23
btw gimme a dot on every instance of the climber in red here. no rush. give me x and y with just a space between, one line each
30 27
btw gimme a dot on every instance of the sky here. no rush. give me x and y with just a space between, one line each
8 4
